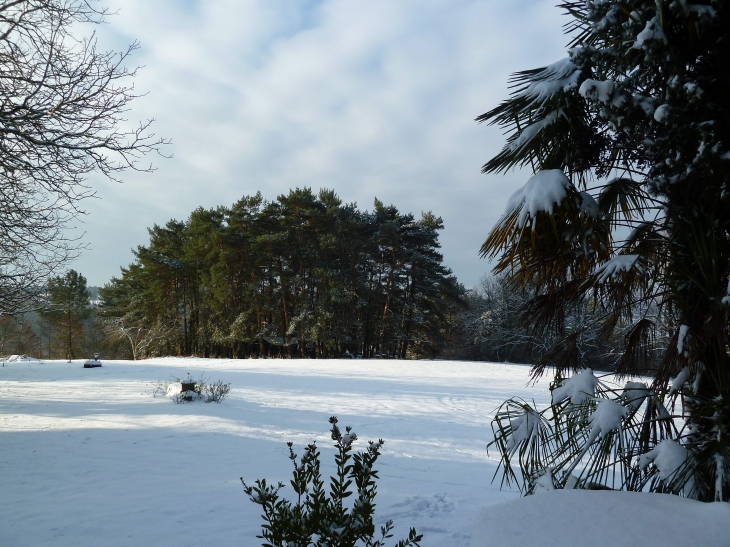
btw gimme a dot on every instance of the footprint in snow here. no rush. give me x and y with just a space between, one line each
428 506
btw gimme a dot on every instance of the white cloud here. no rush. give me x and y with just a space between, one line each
370 98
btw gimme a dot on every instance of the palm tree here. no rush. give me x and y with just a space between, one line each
628 211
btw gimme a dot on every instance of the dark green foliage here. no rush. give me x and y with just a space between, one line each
316 519
66 306
304 275
637 117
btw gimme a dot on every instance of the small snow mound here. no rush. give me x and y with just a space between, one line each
560 76
660 114
668 457
21 359
174 388
588 205
545 482
523 428
578 388
683 330
652 32
529 132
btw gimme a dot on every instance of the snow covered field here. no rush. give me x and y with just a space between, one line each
88 458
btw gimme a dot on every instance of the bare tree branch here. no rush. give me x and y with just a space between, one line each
62 116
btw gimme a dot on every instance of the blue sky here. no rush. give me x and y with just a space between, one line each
371 98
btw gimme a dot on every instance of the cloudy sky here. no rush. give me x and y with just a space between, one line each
373 98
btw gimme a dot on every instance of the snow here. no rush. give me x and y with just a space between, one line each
661 113
543 190
726 299
560 76
606 418
595 89
702 10
21 359
668 456
529 132
679 381
545 481
578 388
573 518
616 265
90 459
588 205
683 330
652 32
635 393
523 427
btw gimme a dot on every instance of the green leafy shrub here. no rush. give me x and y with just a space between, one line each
316 519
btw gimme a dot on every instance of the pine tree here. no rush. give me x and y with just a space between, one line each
66 307
629 208
305 274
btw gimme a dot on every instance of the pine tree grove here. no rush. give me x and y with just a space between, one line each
304 275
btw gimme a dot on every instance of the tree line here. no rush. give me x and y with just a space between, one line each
302 275
491 327
61 325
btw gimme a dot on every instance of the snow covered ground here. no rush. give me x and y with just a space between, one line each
586 518
89 458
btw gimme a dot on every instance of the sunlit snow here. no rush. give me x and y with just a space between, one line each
90 459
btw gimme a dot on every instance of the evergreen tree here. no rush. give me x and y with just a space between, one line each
629 206
302 275
66 307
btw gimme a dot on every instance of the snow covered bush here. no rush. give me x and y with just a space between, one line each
316 518
209 392
215 392
627 214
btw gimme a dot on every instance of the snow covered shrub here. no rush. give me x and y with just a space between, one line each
216 391
316 519
202 390
626 215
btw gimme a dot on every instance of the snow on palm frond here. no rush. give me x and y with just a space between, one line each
543 191
670 459
577 389
594 435
546 83
616 265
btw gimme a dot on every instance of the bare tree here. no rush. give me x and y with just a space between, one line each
62 117
140 339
